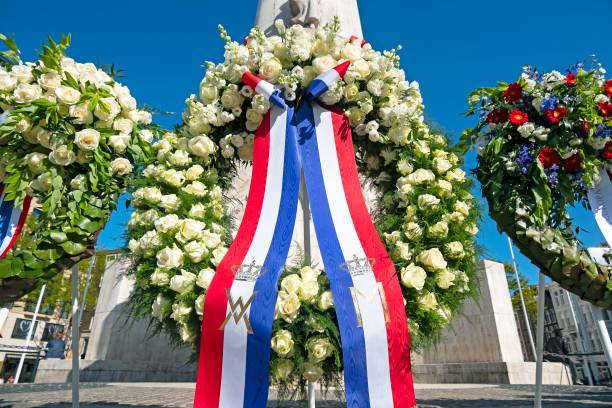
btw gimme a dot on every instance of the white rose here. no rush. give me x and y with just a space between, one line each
146 135
441 165
173 177
402 250
7 82
62 156
445 188
119 142
158 309
210 239
318 349
205 277
191 229
202 146
197 211
199 304
152 194
427 200
438 230
456 175
180 311
462 207
43 182
231 98
413 276
326 300
412 231
324 63
187 335
87 139
196 251
445 278
112 107
81 114
352 51
428 301
270 69
122 125
182 283
76 182
404 167
194 172
121 166
25 93
432 259
421 176
454 250
170 258
282 343
127 102
34 161
167 223
179 158
169 202
208 94
471 229
283 369
312 372
308 290
160 277
288 306
67 95
23 73
23 125
196 188
218 255
291 283
50 80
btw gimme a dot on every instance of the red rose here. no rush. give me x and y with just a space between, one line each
513 93
573 162
246 40
608 87
549 157
571 79
555 115
585 127
518 117
497 116
605 109
606 153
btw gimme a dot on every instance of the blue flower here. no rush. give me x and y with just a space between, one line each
549 103
603 131
524 158
553 175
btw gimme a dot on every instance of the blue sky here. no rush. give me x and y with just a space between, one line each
449 47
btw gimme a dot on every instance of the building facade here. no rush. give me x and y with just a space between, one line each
560 313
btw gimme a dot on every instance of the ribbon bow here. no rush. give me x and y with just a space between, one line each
240 302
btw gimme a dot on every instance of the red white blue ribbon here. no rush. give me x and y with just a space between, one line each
12 220
239 305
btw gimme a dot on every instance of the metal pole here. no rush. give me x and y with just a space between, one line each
91 264
587 341
518 282
307 259
579 337
75 336
537 403
30 330
605 336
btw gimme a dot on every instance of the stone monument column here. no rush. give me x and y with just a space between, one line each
308 13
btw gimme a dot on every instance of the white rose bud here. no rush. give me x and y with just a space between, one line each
312 372
122 125
119 142
282 343
179 158
194 172
421 176
318 349
427 200
441 165
454 250
167 224
432 259
438 230
445 278
283 369
197 211
205 277
159 306
170 258
34 160
160 277
196 188
202 146
428 301
196 251
291 283
180 311
413 276
326 300
76 182
173 177
412 231
182 283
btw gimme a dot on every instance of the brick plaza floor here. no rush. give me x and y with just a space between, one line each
149 395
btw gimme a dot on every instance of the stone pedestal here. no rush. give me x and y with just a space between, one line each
482 345
121 349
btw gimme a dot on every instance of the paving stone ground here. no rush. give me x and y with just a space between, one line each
151 395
